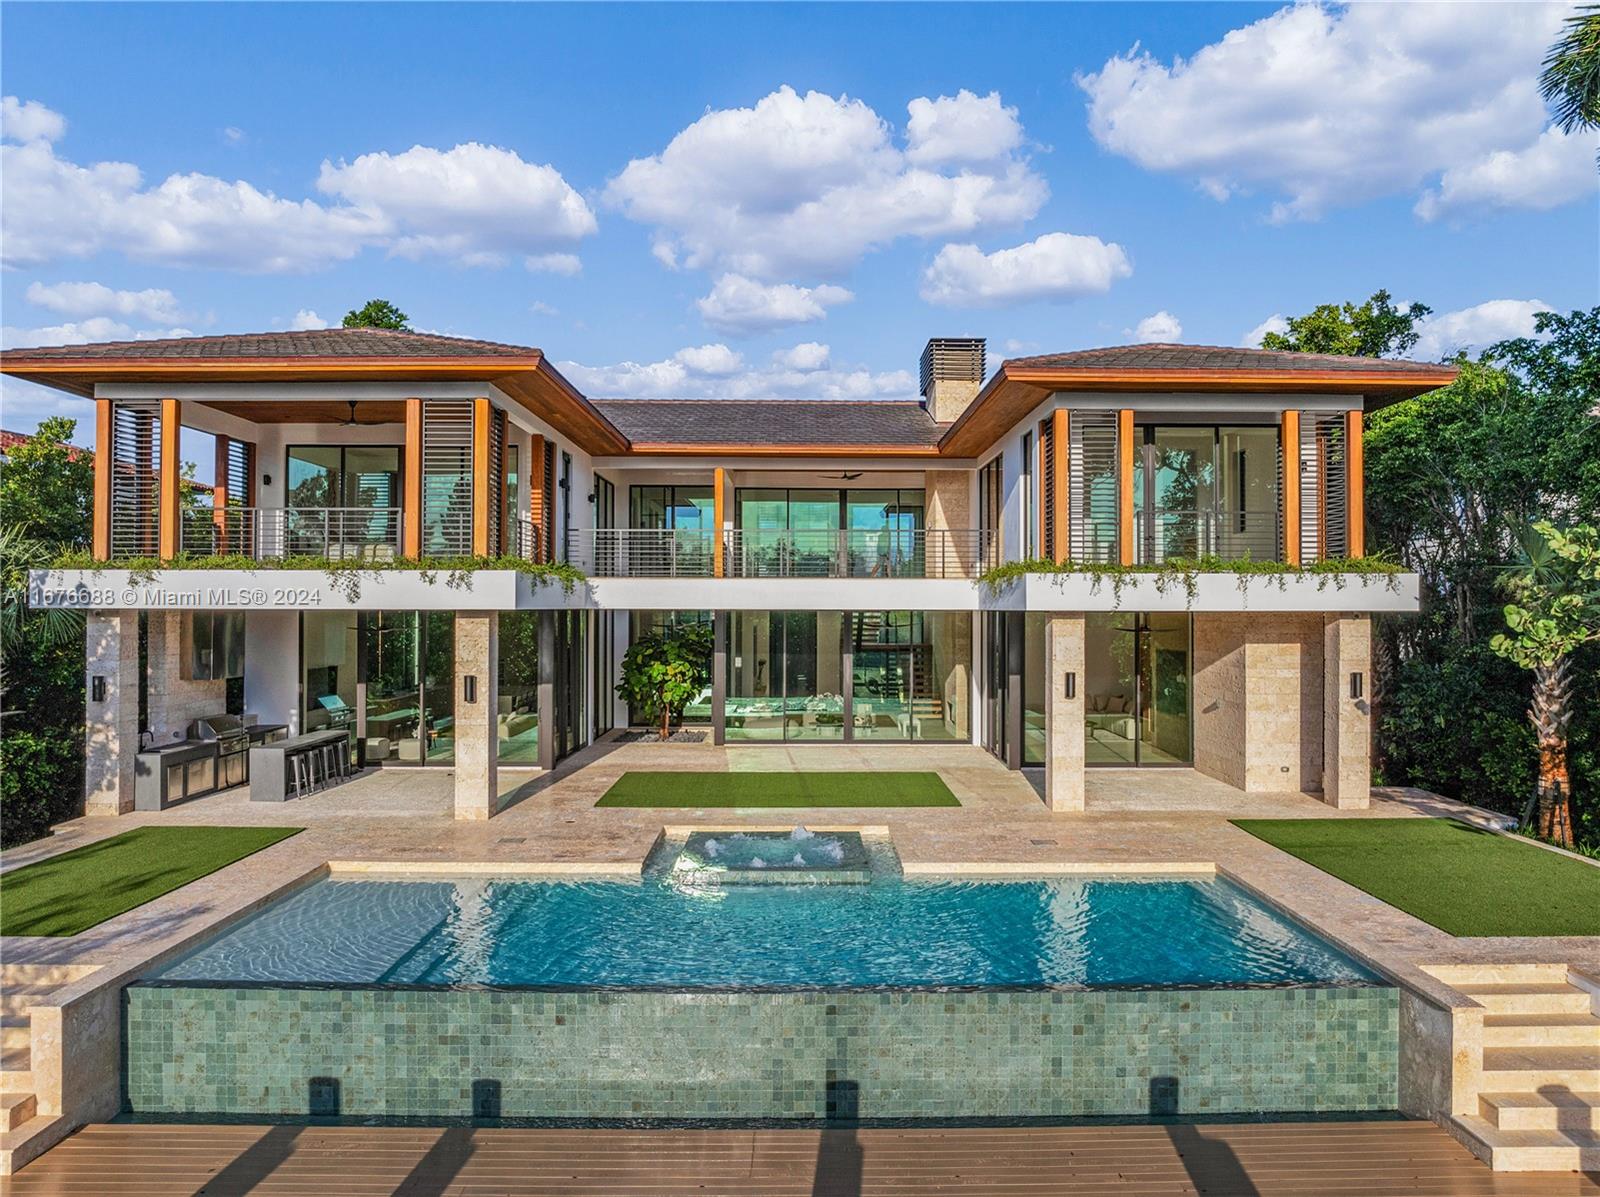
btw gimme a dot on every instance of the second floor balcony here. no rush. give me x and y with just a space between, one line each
266 533
782 553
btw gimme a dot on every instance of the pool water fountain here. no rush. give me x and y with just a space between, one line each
796 857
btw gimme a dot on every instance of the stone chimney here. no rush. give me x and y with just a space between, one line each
952 373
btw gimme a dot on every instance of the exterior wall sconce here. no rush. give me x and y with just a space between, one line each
97 689
266 480
469 688
1072 685
1355 685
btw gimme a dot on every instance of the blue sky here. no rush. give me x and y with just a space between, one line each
632 190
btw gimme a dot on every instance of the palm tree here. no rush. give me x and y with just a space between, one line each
1555 610
1571 78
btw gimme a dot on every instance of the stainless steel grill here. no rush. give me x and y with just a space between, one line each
232 738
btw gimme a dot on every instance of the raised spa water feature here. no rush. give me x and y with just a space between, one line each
734 981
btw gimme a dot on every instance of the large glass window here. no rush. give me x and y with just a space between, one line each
329 650
909 675
796 533
352 479
392 648
517 723
661 623
991 503
1137 675
785 675
1035 677
1207 490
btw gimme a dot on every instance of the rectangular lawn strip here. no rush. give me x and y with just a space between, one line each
79 889
1463 880
646 788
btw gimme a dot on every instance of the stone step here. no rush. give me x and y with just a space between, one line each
1530 1150
1519 1069
1553 1109
53 975
1471 976
1541 1030
16 1108
31 1140
1533 998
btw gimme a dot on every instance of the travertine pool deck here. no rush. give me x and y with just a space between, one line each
1155 818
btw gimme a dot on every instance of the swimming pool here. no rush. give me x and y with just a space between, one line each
685 995
893 933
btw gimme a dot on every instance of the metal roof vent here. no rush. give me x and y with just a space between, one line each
952 359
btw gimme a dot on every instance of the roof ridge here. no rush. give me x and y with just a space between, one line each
1346 360
748 399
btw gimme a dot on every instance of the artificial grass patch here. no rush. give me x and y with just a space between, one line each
82 888
1464 881
639 788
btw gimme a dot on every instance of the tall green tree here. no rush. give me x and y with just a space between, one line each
47 486
1570 83
1373 328
662 672
1554 611
377 313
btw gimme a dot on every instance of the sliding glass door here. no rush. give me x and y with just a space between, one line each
785 676
1137 675
1206 490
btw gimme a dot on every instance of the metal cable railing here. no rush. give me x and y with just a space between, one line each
1231 535
334 533
787 553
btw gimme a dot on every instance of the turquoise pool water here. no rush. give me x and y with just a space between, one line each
891 934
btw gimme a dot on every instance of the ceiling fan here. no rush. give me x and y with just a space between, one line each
847 476
352 422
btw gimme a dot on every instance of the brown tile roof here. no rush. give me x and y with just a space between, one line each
756 422
1160 356
15 440
317 343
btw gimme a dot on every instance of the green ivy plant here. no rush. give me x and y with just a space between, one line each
662 673
1185 572
344 574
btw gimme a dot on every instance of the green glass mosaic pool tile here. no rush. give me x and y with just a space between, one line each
647 1054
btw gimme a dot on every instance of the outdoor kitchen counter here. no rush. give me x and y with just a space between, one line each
270 764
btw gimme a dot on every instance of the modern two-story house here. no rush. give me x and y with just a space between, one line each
836 549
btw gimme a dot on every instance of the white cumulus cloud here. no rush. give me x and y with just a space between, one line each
1324 105
1475 328
1056 266
306 320
716 361
806 356
742 305
30 121
1160 327
1275 323
82 332
97 299
963 128
473 204
788 376
1556 169
804 186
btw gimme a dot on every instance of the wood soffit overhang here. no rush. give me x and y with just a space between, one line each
1009 395
1013 391
531 381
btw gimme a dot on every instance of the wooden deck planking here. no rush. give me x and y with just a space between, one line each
1366 1159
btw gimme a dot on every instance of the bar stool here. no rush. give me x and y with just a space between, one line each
343 747
330 763
301 765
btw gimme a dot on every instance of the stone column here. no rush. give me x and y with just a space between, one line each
477 715
1346 734
110 722
948 499
1063 716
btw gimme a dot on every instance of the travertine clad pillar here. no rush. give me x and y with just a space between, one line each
1063 716
111 723
1346 764
477 722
